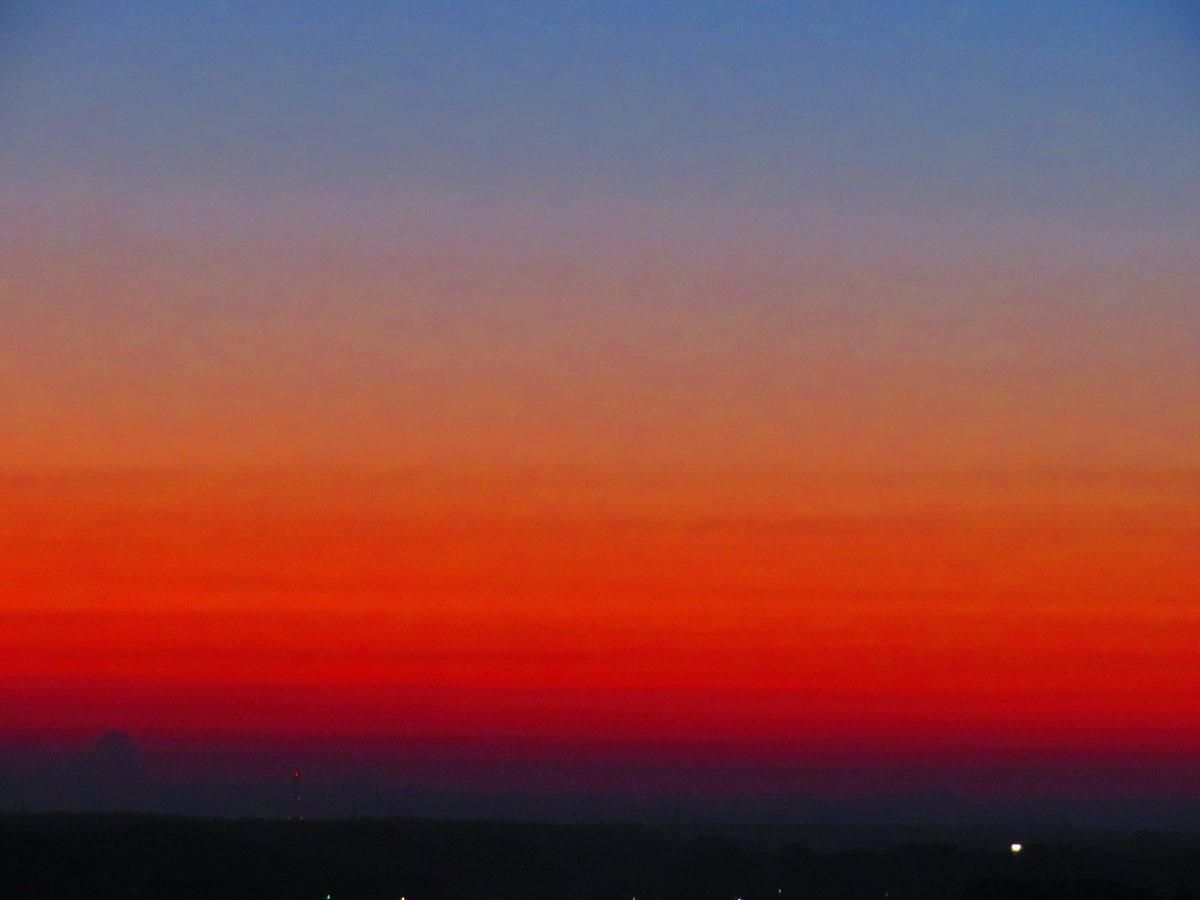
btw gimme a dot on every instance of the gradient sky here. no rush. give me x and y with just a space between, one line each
788 395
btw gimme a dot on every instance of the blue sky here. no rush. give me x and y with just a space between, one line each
1084 107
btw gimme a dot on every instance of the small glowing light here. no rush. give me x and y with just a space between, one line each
1016 848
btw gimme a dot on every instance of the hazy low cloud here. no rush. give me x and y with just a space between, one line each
113 775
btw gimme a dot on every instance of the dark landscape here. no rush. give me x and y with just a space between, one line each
67 856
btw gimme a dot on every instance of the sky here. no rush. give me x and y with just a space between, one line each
650 397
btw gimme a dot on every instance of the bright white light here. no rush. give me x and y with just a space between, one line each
1016 848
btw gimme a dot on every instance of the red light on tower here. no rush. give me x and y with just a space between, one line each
296 817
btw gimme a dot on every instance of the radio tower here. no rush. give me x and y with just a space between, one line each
296 816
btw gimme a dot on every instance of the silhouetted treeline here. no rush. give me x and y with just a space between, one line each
66 856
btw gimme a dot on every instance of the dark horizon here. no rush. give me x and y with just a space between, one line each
64 857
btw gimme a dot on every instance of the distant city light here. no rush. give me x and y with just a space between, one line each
1016 848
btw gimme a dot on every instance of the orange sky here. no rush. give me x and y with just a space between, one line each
984 611
646 498
764 499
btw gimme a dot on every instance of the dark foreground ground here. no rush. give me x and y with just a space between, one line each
61 856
